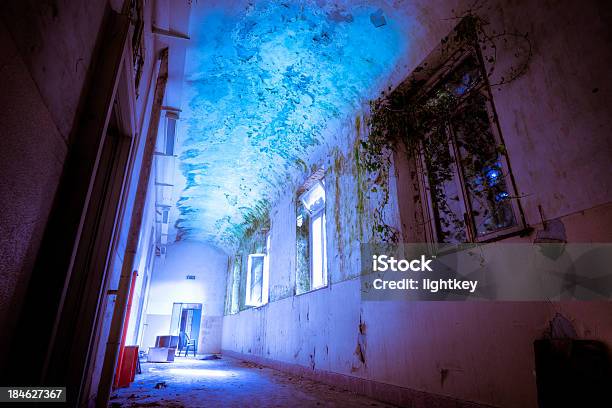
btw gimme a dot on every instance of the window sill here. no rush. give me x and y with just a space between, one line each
447 248
256 307
521 232
266 304
312 290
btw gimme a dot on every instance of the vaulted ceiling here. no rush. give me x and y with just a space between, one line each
263 82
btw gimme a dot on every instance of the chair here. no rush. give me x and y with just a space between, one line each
185 343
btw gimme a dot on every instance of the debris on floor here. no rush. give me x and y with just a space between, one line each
250 364
227 382
211 357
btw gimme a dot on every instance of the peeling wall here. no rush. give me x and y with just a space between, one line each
556 123
262 80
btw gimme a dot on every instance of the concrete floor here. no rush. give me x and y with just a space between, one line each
229 382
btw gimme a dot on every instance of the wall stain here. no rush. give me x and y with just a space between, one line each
262 87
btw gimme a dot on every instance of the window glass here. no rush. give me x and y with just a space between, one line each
481 163
319 261
302 249
235 284
445 189
464 162
311 263
255 279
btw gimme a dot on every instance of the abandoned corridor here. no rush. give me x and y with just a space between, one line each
349 202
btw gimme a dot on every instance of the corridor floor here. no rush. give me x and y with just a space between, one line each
228 382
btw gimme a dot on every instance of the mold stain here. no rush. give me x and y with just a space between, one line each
339 163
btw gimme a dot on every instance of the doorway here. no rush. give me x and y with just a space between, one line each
186 318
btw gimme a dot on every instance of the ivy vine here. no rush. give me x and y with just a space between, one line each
420 120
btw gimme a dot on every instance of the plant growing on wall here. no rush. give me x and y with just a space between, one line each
419 118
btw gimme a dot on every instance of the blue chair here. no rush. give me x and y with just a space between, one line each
185 343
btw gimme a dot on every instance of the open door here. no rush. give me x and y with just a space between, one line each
186 317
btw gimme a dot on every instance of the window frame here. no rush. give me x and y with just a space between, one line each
265 278
483 88
315 179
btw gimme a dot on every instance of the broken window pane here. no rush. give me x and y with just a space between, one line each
466 170
481 163
445 189
464 78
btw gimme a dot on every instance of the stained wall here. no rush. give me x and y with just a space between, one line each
556 122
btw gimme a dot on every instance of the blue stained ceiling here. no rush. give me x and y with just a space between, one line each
263 79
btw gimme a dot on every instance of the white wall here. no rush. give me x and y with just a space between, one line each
169 285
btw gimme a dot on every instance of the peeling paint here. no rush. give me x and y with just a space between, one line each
263 81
